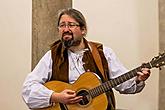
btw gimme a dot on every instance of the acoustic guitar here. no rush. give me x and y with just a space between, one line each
93 91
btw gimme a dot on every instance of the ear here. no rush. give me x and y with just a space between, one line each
83 31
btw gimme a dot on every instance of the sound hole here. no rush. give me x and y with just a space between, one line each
86 97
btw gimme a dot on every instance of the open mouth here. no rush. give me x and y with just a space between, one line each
67 37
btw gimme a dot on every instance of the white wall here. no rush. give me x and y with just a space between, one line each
130 28
15 49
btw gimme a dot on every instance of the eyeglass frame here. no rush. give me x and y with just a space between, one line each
70 25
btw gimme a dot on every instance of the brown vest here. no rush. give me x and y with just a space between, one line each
60 63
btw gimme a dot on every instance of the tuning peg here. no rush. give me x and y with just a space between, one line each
153 58
163 62
160 54
160 68
157 65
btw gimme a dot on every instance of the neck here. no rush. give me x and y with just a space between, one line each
79 47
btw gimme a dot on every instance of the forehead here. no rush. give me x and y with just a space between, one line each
67 18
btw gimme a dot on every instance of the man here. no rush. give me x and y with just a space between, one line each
70 57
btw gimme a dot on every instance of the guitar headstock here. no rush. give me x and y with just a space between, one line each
158 61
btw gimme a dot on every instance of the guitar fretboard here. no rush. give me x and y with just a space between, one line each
106 86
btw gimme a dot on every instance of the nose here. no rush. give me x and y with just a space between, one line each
66 28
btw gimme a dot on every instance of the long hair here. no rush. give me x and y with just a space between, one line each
75 14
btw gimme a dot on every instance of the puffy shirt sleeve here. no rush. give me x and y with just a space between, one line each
116 69
34 93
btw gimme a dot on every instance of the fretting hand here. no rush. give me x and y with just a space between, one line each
143 75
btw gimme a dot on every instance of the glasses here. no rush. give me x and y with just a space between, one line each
70 25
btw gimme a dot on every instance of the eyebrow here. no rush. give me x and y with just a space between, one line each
68 22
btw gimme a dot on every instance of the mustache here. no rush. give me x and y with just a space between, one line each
67 33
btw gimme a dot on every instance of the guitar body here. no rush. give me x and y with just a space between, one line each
85 82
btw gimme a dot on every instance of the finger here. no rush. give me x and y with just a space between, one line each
142 76
146 73
146 69
76 99
70 91
140 73
71 96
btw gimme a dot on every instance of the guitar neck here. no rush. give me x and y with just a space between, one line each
116 81
106 86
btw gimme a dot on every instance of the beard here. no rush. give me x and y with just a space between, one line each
69 42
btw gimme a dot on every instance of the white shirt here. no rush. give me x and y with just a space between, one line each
36 95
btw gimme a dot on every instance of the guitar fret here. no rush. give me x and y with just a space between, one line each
122 80
112 82
118 80
136 70
102 89
128 76
107 85
94 92
125 77
90 93
99 90
132 73
115 82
